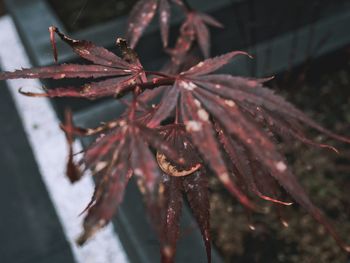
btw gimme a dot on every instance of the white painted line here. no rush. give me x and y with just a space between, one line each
50 151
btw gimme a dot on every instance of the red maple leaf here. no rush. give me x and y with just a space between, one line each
194 27
189 179
142 14
219 124
220 112
120 151
116 72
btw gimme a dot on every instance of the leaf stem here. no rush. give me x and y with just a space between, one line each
154 83
156 73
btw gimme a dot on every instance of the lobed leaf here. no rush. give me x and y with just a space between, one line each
203 36
260 146
89 51
111 192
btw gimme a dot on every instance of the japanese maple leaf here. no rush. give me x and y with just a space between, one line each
235 117
228 124
195 188
195 24
115 72
121 150
198 22
189 179
195 27
142 14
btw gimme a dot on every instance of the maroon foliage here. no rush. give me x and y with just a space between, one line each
188 178
204 123
142 14
113 158
196 188
193 28
122 74
224 99
73 171
170 217
197 22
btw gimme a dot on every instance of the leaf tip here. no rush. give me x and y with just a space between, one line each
250 56
347 249
240 52
53 30
73 171
90 230
168 253
31 94
81 240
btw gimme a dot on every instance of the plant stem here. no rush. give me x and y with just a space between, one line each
147 85
155 73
